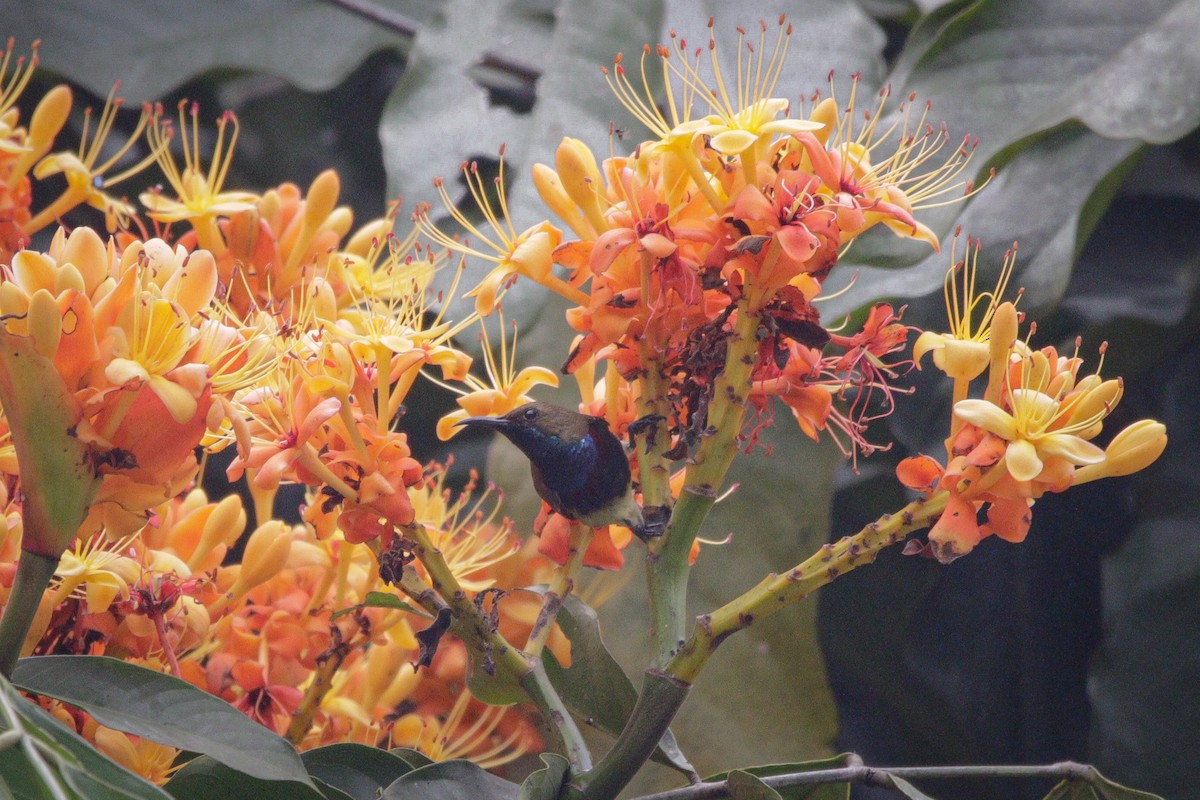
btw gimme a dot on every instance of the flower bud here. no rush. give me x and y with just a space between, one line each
1003 334
550 189
581 179
1133 449
266 554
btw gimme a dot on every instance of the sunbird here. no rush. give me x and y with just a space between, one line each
579 466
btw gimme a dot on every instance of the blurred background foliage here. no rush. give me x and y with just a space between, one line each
1081 643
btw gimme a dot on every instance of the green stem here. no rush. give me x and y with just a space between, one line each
558 719
668 566
779 591
660 699
470 625
34 572
561 586
665 689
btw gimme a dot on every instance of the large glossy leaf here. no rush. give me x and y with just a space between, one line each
1004 69
70 764
448 779
594 686
310 43
360 771
204 777
164 709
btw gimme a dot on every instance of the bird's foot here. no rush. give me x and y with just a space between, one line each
655 519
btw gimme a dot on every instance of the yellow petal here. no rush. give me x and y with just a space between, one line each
1022 460
1072 448
988 416
732 142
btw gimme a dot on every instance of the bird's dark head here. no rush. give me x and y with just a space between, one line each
532 425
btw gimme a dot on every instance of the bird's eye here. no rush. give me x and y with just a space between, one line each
531 414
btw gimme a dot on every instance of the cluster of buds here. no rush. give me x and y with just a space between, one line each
1031 431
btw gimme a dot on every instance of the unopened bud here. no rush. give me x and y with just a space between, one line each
1133 449
550 189
1003 334
266 554
581 179
321 199
45 323
225 523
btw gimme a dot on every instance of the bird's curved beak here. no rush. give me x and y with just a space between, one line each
485 422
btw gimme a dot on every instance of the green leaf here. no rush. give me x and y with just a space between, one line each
414 758
1070 163
908 790
73 761
545 783
360 771
449 779
162 708
1110 790
744 786
379 600
594 686
204 778
983 67
807 791
163 44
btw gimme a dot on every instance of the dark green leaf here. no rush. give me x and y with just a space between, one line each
162 44
162 708
451 779
414 758
595 686
1110 790
1069 163
1071 790
379 600
986 74
744 786
908 790
73 762
545 783
204 778
806 791
356 769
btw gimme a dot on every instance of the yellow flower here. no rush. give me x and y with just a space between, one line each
1048 415
529 253
467 534
963 352
200 194
745 114
150 342
97 570
85 172
505 390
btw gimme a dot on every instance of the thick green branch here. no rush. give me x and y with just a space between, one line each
34 572
469 624
779 591
668 558
660 699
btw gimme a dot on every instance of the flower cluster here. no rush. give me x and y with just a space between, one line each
1031 431
265 323
694 265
